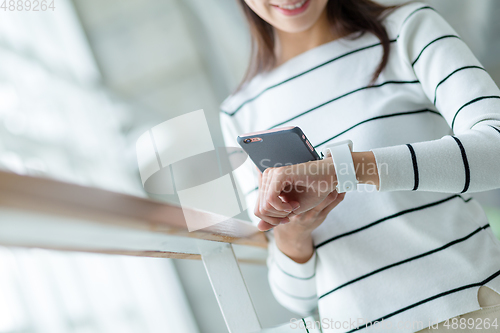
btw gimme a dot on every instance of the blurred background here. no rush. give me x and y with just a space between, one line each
78 85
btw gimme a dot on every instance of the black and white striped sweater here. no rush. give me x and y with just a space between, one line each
420 247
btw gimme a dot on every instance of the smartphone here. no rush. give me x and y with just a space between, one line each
278 147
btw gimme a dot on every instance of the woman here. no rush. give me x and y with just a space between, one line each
410 248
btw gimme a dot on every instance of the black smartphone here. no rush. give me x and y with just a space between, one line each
278 147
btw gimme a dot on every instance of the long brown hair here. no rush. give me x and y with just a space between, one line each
345 16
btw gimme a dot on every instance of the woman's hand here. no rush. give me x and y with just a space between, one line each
294 238
292 190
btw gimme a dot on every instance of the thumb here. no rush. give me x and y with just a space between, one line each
264 226
294 203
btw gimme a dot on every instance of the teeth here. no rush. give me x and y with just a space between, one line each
295 6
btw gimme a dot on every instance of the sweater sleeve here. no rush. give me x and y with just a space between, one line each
293 284
469 100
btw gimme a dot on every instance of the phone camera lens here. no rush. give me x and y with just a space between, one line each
247 140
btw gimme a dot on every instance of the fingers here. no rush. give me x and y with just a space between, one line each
272 206
275 183
269 207
328 200
269 215
314 211
334 203
264 226
325 207
271 222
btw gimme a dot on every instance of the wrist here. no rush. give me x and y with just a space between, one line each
294 241
328 173
366 168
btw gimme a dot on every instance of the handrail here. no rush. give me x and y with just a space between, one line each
47 213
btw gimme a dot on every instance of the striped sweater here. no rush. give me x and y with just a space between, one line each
418 249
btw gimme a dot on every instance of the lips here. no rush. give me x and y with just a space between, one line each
292 8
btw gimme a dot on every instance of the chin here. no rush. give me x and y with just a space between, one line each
295 27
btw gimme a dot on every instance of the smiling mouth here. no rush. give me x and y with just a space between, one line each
294 8
291 6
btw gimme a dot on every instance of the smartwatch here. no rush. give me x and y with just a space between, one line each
340 152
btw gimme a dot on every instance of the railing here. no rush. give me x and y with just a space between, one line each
45 213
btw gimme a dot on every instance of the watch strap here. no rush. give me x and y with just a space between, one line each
341 154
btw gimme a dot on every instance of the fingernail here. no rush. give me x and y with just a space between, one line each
284 221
